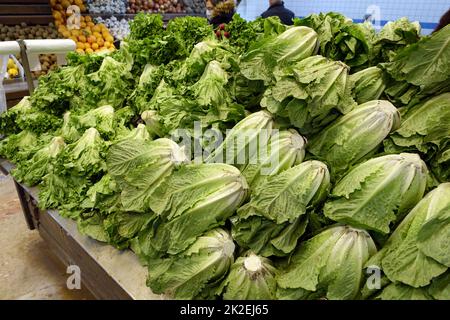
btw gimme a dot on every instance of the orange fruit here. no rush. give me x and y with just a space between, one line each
65 4
91 39
90 24
57 15
100 42
80 45
78 2
80 51
66 34
109 38
83 24
94 46
82 38
74 38
89 50
107 44
87 18
96 28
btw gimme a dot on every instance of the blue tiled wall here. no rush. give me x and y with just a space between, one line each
427 12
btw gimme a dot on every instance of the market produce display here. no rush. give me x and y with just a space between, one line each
24 31
12 69
195 6
162 6
276 163
59 9
119 28
89 36
48 62
107 6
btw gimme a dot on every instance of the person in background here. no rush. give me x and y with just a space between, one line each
222 11
445 20
368 18
209 9
277 9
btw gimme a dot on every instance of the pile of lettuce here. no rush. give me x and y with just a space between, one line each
341 39
302 162
420 70
151 42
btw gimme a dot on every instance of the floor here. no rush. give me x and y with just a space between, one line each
28 270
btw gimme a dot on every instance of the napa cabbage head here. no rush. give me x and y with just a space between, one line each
192 200
264 56
368 84
242 142
285 149
418 249
378 192
251 277
310 93
277 214
425 128
330 265
355 135
139 166
197 271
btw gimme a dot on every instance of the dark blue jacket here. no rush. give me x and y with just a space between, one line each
279 10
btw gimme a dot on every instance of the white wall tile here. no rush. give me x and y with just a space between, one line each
416 10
